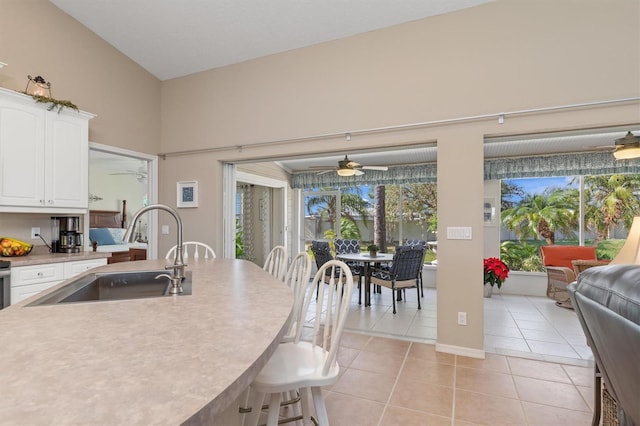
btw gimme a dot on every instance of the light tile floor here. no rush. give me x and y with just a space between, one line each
535 372
532 327
386 381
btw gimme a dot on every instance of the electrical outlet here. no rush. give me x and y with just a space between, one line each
35 231
165 229
462 318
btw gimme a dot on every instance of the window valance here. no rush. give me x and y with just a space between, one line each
590 163
394 176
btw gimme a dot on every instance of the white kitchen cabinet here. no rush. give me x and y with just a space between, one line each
71 269
43 157
29 280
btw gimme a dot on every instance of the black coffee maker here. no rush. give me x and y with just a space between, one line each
65 234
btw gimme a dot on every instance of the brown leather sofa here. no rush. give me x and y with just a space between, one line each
563 264
607 302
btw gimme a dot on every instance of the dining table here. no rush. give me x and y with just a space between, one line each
367 261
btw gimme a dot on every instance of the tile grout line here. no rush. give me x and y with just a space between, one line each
395 383
453 399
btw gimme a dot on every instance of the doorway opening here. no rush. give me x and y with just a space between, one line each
117 174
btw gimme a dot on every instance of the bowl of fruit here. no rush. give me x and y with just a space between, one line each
10 247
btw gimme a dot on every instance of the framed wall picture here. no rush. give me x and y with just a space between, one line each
187 194
489 211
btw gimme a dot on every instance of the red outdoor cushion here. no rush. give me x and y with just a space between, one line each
557 255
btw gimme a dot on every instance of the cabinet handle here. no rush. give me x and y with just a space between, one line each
42 202
39 274
50 201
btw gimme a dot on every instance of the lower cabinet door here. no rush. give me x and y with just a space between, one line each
18 294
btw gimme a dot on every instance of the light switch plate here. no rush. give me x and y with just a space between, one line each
459 233
165 230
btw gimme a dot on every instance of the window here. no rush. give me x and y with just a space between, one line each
409 213
537 211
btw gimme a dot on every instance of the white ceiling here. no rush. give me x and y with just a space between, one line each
174 38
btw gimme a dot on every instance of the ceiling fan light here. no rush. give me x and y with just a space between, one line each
627 153
346 172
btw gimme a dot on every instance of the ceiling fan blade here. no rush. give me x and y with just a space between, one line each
383 168
352 164
604 148
358 172
325 171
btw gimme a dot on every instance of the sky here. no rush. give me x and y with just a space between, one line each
538 185
535 185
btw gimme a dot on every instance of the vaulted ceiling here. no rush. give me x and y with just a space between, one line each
172 38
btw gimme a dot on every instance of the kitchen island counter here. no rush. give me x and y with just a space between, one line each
164 360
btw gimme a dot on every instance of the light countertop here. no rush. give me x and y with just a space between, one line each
43 258
166 360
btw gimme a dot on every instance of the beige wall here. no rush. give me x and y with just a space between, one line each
503 56
37 38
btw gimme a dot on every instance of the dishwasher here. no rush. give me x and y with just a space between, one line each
5 284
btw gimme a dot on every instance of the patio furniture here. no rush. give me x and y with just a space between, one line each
607 304
558 262
196 246
367 261
308 366
422 243
345 246
404 272
276 262
322 254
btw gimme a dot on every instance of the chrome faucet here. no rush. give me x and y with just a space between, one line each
178 261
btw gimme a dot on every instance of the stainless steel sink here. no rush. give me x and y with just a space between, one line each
98 287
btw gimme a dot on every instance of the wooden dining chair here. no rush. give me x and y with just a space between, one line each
276 262
308 365
196 247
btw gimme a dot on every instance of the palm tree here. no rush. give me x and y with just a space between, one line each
541 215
612 200
351 202
379 219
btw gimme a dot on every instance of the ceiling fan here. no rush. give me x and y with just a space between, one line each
347 167
627 147
141 173
624 148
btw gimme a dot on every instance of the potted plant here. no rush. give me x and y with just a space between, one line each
373 250
495 272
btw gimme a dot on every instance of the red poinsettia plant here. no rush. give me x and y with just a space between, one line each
495 271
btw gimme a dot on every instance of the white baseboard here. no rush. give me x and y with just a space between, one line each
460 350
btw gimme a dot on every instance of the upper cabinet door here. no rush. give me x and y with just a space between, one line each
66 161
21 154
44 157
